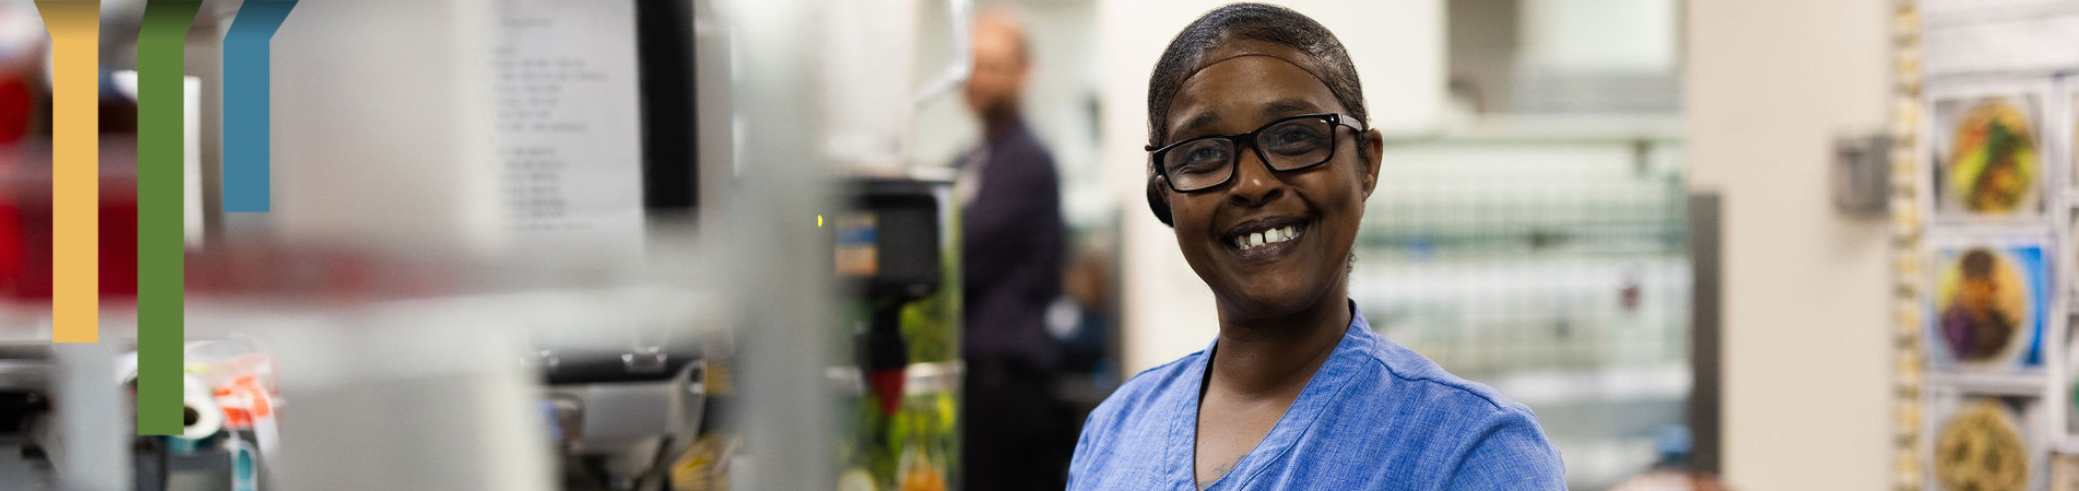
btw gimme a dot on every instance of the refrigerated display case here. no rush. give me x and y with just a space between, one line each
1548 257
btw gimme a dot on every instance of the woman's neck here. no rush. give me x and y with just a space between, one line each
1276 356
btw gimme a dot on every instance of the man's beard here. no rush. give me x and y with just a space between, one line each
999 110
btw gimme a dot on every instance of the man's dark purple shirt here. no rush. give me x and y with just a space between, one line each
1011 244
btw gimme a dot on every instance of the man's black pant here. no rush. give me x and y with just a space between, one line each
1018 436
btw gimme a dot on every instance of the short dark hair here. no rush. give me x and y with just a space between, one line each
1246 22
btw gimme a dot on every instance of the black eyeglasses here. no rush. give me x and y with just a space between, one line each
1286 145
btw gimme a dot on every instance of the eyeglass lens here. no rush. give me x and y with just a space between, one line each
1284 145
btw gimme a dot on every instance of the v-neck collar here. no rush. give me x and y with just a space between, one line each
1321 390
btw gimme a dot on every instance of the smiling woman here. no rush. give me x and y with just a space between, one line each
1261 161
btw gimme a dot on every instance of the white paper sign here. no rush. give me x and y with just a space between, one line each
569 125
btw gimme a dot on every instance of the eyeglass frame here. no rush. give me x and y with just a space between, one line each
1335 121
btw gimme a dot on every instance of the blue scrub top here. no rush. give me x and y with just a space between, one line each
1376 416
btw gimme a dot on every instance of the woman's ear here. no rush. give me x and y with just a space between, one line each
1158 201
1374 146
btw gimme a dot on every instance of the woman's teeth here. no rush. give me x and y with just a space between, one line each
1272 236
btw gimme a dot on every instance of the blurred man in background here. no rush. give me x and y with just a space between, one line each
1017 435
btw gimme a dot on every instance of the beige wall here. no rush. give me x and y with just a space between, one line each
1398 49
1806 337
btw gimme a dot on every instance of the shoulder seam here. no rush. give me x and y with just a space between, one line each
1137 378
1375 357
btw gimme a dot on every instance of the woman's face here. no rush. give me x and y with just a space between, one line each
1252 85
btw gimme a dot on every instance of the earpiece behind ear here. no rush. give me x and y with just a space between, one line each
1157 204
1364 176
